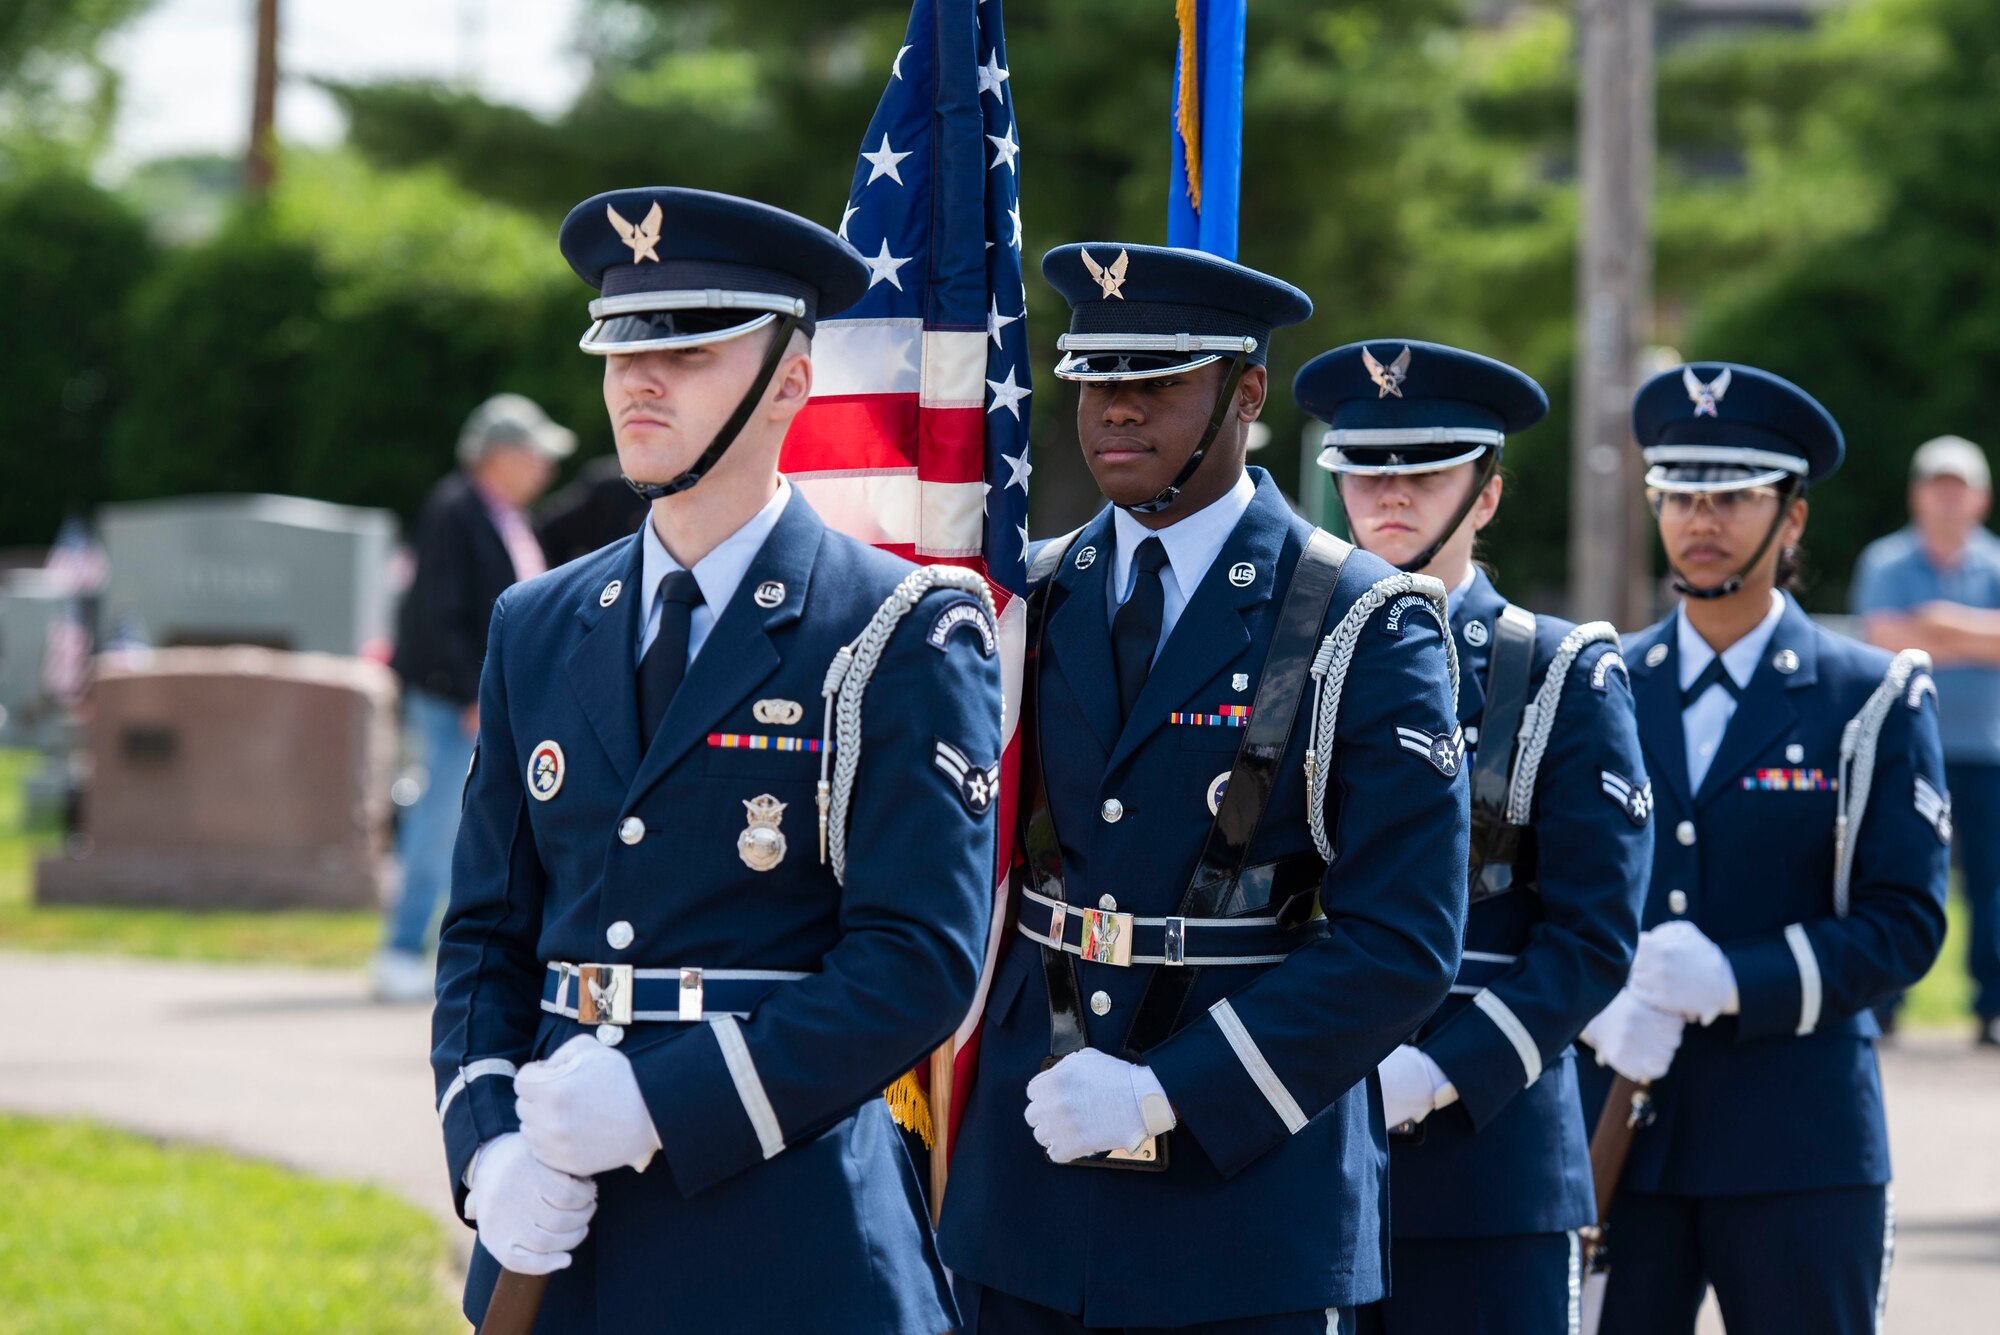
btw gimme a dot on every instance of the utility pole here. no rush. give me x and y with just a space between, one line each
258 165
1610 542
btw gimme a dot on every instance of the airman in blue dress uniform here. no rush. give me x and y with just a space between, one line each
695 929
1798 879
1489 1165
1247 850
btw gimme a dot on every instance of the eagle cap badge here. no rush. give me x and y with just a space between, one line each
642 239
1109 278
1705 397
1388 379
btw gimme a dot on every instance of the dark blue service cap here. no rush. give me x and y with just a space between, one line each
1142 311
1400 405
679 268
1717 426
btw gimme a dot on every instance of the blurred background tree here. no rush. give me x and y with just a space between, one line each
1825 208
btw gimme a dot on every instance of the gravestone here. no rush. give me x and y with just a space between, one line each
233 778
278 571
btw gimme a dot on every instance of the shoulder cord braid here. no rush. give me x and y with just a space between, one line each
1329 673
1538 720
1858 740
847 679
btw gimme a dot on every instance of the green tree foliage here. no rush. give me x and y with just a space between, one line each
70 257
57 95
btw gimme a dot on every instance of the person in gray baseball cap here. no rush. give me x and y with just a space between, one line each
1935 586
472 540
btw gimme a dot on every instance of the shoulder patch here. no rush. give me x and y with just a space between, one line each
1935 809
1608 662
1392 624
963 613
1635 802
1920 685
1447 753
976 785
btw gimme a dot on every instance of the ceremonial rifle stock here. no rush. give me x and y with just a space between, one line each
941 1095
1627 1107
516 1302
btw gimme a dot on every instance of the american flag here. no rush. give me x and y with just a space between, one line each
77 565
916 438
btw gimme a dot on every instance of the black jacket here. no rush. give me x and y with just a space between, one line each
462 566
595 510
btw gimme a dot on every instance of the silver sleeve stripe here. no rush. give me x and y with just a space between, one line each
749 1086
1509 1024
952 761
1615 784
1487 957
1265 1078
1809 982
470 1072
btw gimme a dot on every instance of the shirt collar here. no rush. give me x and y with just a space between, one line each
1740 659
1192 543
1456 598
718 573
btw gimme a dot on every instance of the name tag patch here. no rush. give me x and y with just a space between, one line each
1789 781
969 615
1225 716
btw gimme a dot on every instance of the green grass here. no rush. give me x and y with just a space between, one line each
340 940
1943 998
107 1232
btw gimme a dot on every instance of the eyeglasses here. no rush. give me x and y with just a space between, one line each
1724 505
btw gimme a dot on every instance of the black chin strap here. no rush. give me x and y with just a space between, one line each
726 436
1786 495
1486 471
1172 492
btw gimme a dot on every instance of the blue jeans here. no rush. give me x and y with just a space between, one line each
430 825
1975 846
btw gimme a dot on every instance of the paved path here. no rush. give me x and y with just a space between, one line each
300 1068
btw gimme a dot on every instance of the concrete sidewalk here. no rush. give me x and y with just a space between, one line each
300 1068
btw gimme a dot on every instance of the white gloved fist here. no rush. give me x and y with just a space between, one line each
530 1216
1634 1039
1091 1102
1679 969
1413 1086
582 1112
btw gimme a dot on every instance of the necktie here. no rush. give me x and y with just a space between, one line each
1712 675
665 663
1135 631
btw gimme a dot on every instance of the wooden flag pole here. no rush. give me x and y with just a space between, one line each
941 1075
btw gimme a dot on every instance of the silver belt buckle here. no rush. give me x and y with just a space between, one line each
690 995
1107 937
1175 949
1148 1152
604 994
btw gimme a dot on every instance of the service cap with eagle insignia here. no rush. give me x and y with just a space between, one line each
1719 426
1400 405
678 268
1142 311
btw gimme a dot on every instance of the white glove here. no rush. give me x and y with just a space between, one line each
1633 1038
530 1216
1413 1086
582 1112
1090 1102
1679 969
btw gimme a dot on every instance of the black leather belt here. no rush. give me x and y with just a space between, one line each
1496 844
1108 937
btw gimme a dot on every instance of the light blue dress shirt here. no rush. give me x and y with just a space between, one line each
1192 545
717 574
1704 721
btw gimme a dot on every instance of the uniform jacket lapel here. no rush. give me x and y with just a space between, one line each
1657 693
1078 643
739 655
1765 712
1482 603
1214 627
603 665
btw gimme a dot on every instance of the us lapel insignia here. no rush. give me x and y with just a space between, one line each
611 592
1242 574
546 768
769 594
1656 655
784 713
1086 558
1475 633
762 843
